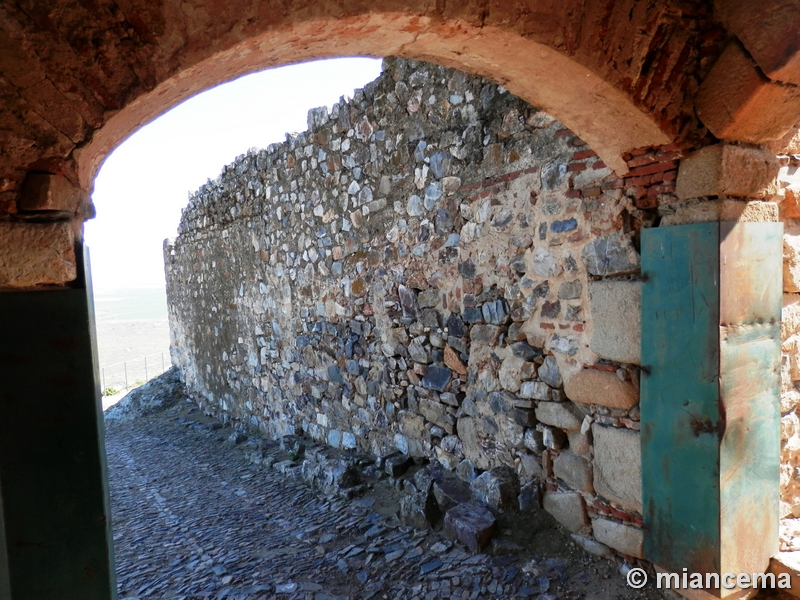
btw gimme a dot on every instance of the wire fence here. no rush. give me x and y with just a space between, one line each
133 373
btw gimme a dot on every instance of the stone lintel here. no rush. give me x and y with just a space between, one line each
723 209
36 254
727 170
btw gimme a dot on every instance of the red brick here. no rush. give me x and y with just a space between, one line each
664 188
573 194
645 159
547 326
576 167
654 168
578 142
578 327
640 151
638 181
598 164
584 154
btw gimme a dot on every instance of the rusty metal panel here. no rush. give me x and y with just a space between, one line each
750 310
679 396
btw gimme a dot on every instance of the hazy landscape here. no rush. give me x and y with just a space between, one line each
131 325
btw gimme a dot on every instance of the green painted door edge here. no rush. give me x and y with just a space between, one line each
679 396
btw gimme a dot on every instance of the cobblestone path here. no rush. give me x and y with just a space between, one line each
194 519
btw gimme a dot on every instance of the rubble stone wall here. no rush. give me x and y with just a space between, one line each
434 268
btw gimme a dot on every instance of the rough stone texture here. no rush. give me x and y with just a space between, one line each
728 170
592 547
573 470
616 308
155 395
497 488
408 276
563 415
788 144
419 510
604 388
736 102
623 538
693 211
567 508
617 466
469 524
451 492
47 192
612 254
769 32
34 254
791 257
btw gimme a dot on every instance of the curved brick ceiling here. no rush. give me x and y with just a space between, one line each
78 76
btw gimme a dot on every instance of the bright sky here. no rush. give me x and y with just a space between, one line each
143 185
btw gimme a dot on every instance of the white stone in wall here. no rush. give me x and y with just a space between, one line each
615 308
618 466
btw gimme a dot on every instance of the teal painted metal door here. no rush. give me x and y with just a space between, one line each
679 406
711 308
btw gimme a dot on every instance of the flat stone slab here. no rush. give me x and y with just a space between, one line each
469 524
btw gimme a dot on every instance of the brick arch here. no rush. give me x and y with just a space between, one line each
603 115
617 73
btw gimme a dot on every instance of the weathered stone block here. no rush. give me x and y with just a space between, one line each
497 488
437 378
727 170
471 525
549 372
791 257
573 470
568 509
618 466
36 254
49 192
450 492
622 538
611 254
419 510
616 308
592 386
563 415
709 211
790 315
736 102
769 32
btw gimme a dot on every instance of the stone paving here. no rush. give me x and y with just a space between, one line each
193 518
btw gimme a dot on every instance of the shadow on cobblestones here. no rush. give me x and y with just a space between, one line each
193 518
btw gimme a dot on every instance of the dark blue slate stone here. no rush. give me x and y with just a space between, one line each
335 374
440 164
436 378
430 566
525 351
562 226
455 326
472 315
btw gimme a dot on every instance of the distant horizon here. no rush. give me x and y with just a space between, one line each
147 180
